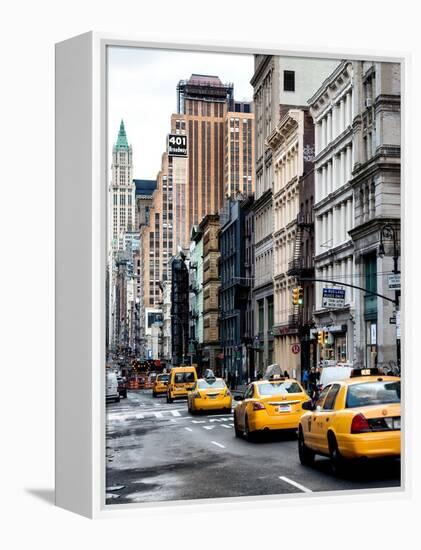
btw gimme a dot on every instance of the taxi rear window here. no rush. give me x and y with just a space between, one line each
279 388
183 377
162 377
206 384
373 393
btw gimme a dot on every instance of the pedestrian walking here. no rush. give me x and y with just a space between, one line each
305 379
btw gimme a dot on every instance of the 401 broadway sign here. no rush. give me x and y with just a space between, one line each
333 297
177 145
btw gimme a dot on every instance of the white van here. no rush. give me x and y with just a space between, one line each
111 390
334 374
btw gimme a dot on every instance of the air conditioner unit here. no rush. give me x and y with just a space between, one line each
368 102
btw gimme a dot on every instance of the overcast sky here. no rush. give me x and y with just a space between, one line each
142 92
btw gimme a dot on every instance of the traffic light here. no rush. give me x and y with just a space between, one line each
295 295
300 296
320 337
325 336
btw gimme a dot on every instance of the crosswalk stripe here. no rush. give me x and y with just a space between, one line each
158 414
208 427
225 426
175 413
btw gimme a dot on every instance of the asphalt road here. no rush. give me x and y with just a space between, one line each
157 452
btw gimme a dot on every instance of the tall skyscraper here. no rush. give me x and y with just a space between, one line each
122 190
121 219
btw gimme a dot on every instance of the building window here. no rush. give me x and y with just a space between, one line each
289 81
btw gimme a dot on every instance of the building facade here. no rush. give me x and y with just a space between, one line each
376 192
292 144
196 297
233 293
121 218
239 151
332 110
209 226
279 83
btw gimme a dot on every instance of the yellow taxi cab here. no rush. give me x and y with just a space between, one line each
357 418
160 384
209 394
272 404
181 381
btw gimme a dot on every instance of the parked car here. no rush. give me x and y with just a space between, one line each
111 390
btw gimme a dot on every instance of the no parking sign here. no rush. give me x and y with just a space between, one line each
295 348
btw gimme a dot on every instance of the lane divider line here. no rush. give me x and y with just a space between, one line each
295 484
218 444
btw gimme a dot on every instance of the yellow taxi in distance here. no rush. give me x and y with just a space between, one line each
356 418
160 384
181 381
209 394
273 404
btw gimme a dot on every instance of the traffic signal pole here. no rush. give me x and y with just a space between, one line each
340 283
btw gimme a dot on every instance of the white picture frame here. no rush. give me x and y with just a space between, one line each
81 132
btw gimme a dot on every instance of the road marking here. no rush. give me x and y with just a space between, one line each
208 427
198 421
139 416
216 419
158 414
232 425
218 444
173 420
225 426
188 429
298 485
175 413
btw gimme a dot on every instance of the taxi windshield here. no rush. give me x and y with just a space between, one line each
279 388
373 393
210 383
162 377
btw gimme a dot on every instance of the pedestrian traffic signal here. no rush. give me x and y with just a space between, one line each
320 337
300 296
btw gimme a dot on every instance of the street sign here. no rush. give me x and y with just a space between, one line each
177 145
333 297
149 354
394 281
295 348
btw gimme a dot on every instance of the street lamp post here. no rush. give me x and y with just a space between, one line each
389 232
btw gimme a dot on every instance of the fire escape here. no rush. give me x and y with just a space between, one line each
301 265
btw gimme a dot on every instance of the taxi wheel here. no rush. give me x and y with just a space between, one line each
247 433
337 462
305 454
237 430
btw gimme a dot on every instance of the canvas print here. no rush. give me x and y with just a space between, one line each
253 276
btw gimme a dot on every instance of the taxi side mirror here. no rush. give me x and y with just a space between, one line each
308 406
